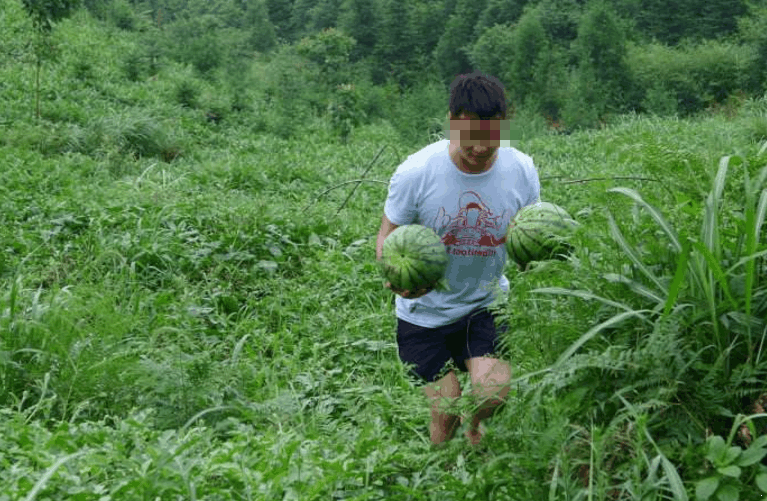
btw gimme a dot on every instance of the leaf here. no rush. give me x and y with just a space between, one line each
676 283
40 484
728 493
674 481
761 482
716 269
581 294
752 455
636 287
269 267
705 488
715 448
654 213
595 330
732 454
730 471
710 230
631 253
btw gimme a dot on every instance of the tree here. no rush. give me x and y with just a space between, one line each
324 14
451 53
528 45
560 19
671 22
601 81
753 31
329 50
394 50
45 14
359 19
262 37
500 12
493 51
279 12
427 23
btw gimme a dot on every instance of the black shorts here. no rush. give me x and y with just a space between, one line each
430 349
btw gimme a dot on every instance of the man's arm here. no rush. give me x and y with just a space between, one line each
386 228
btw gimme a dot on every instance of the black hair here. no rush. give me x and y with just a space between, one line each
478 94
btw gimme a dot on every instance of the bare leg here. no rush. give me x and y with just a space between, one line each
490 385
442 425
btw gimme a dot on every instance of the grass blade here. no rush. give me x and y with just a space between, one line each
716 270
581 294
48 474
635 286
632 254
710 229
676 282
654 213
596 330
674 480
760 213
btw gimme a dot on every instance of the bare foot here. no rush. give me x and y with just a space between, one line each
474 435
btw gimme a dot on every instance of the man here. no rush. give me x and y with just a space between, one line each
467 189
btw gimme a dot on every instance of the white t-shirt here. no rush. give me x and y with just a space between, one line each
471 213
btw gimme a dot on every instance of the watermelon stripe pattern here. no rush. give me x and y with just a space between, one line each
414 258
539 232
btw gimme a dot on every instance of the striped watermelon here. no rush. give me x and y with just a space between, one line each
414 258
539 232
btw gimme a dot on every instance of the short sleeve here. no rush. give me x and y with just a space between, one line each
535 183
400 207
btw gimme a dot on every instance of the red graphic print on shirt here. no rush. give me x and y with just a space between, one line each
473 227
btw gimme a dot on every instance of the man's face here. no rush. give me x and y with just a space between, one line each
478 140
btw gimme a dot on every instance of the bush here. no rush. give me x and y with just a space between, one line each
695 76
493 50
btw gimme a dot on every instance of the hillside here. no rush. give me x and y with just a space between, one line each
190 308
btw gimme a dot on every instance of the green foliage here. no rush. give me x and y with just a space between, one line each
695 76
450 53
499 12
753 30
560 19
171 289
686 19
529 48
345 111
279 12
262 35
121 14
492 53
329 50
736 470
394 52
359 19
600 83
46 13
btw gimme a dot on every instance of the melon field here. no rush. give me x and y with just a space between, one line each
190 308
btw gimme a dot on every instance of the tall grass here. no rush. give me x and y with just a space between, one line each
205 325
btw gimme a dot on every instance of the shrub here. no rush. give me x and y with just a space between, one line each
187 93
695 75
493 50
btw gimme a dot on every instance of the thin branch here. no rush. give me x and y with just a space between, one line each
338 186
615 178
370 165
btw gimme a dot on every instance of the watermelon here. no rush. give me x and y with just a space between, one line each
414 258
539 232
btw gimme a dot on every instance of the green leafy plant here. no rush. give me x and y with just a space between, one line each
45 14
735 470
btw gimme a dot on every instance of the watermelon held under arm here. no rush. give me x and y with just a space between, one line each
414 258
539 232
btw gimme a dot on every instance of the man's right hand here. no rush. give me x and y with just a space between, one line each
406 293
